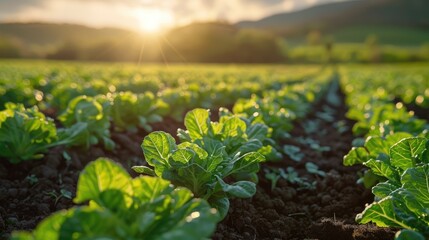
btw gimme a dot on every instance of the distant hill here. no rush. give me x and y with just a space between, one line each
49 35
345 16
374 22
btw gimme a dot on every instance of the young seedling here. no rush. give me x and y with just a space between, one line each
32 179
290 175
314 169
293 152
63 193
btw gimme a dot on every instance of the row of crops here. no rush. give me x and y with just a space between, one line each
188 180
394 147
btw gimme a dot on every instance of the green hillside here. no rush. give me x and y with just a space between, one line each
403 22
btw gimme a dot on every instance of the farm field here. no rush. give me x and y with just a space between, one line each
255 151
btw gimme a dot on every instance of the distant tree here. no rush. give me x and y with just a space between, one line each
253 46
68 51
8 48
199 42
220 42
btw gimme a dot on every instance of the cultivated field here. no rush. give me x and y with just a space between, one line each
194 151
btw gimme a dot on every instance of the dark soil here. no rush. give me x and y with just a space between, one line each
290 212
31 191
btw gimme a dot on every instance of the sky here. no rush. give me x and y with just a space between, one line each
144 15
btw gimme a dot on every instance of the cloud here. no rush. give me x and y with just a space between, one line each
122 13
8 8
14 5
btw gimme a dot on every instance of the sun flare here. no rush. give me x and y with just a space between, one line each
153 20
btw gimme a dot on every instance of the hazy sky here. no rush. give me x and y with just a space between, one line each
148 15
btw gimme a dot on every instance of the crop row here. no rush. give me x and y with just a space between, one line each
395 149
191 182
182 88
214 162
88 119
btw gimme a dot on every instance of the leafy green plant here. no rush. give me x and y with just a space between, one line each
266 111
314 169
32 179
257 135
63 193
402 198
381 118
375 147
211 152
290 175
237 135
124 208
87 120
130 110
177 102
202 166
293 152
25 133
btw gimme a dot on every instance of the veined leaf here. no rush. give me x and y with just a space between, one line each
416 181
196 121
101 175
202 154
384 189
183 155
404 153
358 155
257 131
240 189
383 169
147 189
252 145
233 127
158 146
377 145
247 163
381 213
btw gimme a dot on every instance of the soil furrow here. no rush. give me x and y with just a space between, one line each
318 207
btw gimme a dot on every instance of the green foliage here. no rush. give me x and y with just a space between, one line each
87 119
25 133
202 166
371 100
374 147
382 118
125 208
212 151
236 134
292 176
130 110
293 152
20 91
402 199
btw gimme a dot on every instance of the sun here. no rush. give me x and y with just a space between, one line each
153 20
